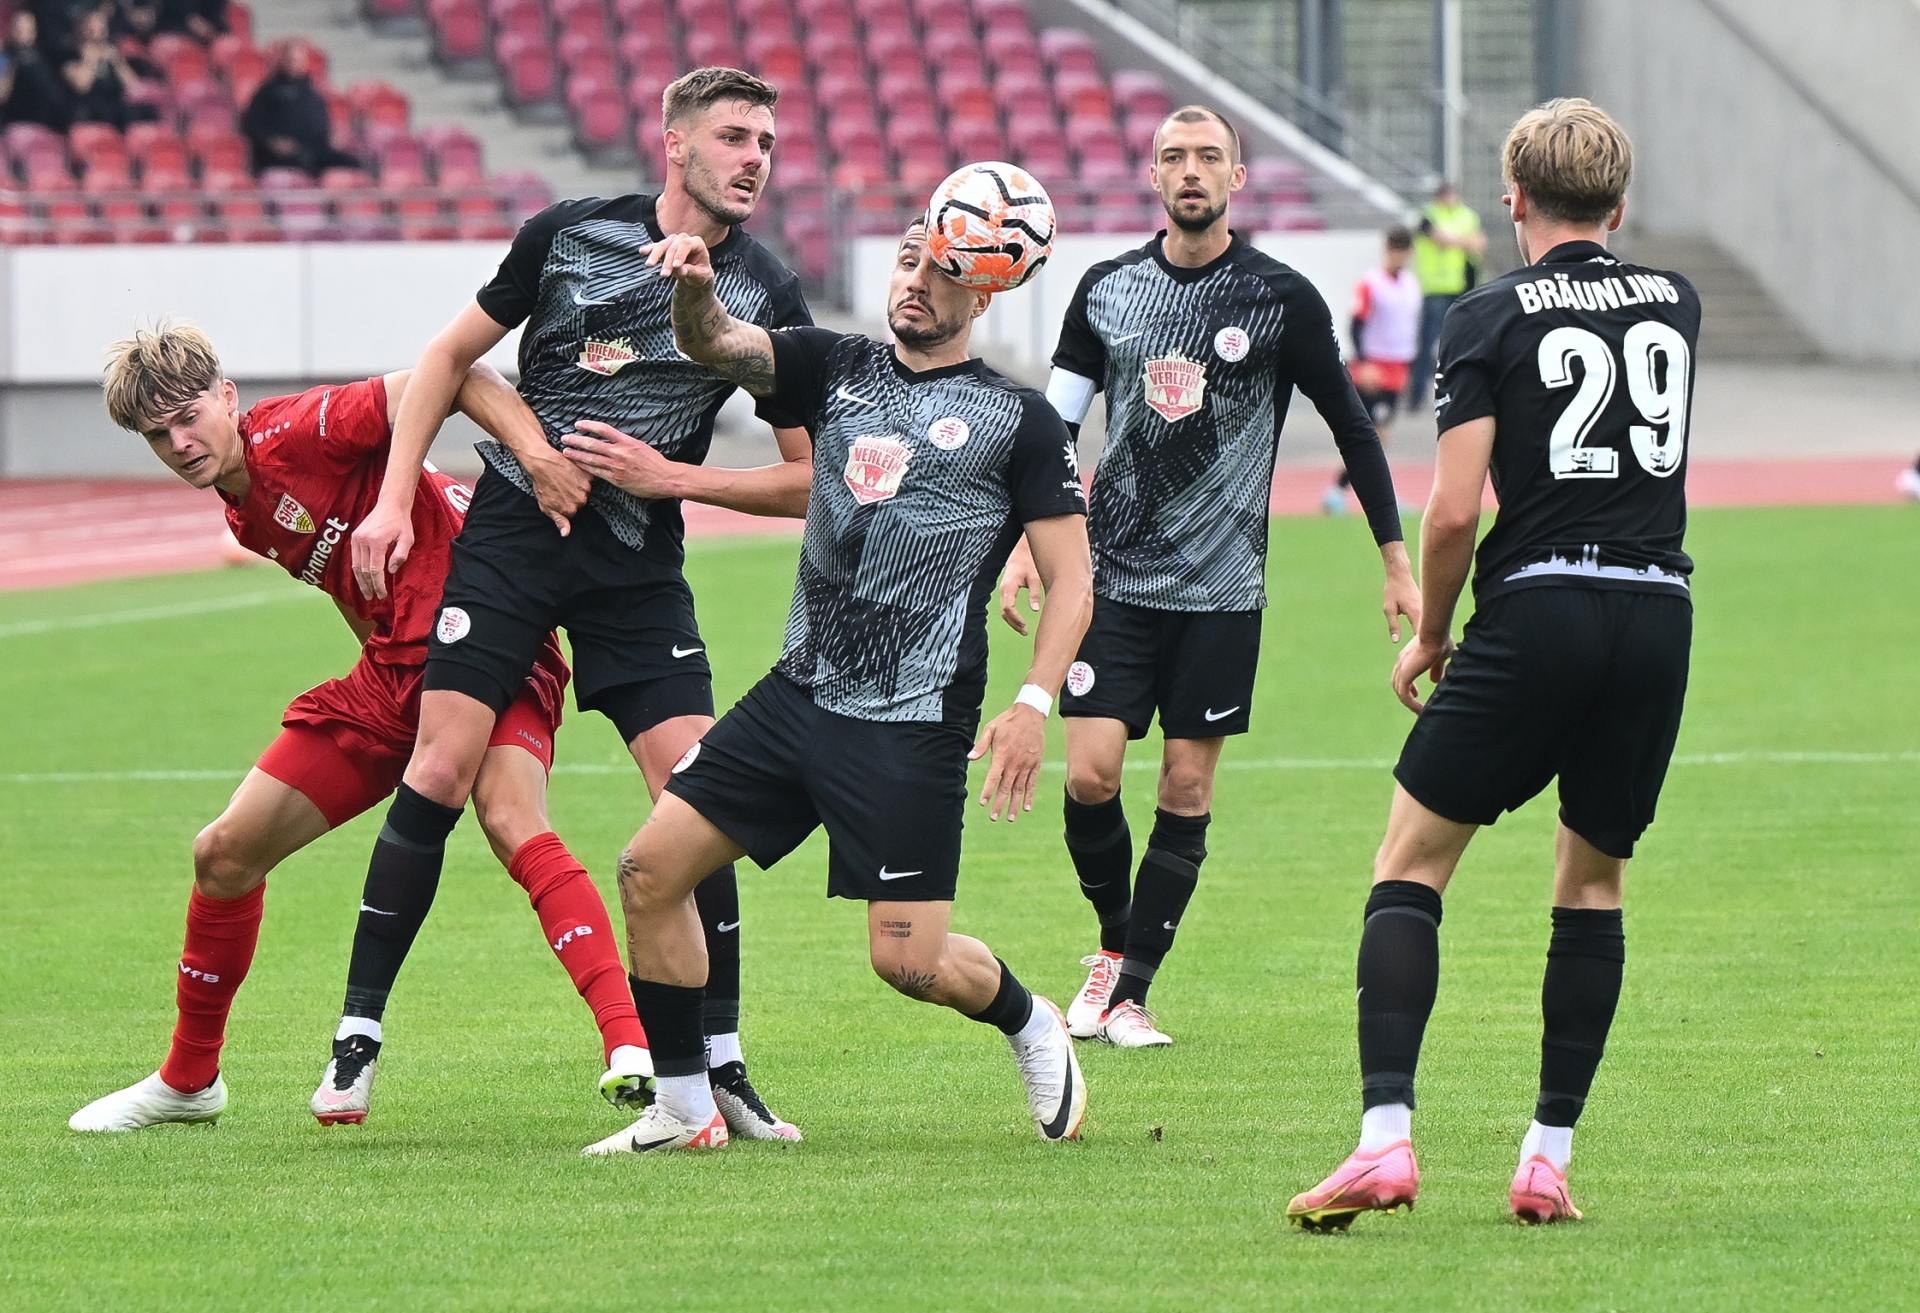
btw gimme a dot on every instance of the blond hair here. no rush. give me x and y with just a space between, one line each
1572 160
157 371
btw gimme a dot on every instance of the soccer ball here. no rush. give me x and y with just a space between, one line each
990 226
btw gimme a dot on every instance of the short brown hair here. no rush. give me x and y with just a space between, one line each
1573 162
698 91
1399 238
157 371
1200 114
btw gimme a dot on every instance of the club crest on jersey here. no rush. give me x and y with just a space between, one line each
1174 386
875 467
949 434
1232 343
610 357
291 515
459 497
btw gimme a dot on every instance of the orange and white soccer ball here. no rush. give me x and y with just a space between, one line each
990 226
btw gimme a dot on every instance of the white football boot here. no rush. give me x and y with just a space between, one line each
1047 1064
1083 1014
629 1079
150 1103
1131 1026
747 1114
346 1091
660 1129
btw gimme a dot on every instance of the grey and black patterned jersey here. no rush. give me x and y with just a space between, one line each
599 343
921 483
1199 365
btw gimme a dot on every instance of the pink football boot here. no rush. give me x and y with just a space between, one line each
1365 1182
1539 1194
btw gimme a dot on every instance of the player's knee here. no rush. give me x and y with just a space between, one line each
911 967
1186 791
223 865
507 822
439 773
1092 783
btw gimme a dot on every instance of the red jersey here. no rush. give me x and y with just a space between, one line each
316 461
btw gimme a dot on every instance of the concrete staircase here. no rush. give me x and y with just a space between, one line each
356 51
1739 320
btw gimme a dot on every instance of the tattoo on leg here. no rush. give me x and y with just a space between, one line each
897 929
914 984
625 870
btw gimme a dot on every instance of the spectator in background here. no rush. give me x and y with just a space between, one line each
57 20
287 119
1446 258
1387 310
138 19
34 92
201 19
98 77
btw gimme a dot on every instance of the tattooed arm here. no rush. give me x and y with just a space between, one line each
702 328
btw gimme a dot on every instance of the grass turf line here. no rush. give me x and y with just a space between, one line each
1746 1142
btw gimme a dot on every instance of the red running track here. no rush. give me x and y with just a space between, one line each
65 531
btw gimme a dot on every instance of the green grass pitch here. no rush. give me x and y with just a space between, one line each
1749 1143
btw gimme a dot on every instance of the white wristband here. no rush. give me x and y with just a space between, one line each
1036 697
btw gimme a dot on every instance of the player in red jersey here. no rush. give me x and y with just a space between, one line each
297 474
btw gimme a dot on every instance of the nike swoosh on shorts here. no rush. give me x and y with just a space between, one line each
1212 715
725 926
679 652
885 874
376 911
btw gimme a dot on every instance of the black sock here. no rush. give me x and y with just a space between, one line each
1398 977
1585 960
402 876
1102 850
1169 870
670 1014
718 898
1012 1005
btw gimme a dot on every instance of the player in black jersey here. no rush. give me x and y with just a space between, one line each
1571 382
927 467
1198 341
546 544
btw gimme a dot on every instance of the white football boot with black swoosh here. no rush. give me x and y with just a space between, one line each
660 1129
1047 1064
151 1102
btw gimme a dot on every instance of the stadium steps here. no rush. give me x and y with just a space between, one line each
400 57
1740 321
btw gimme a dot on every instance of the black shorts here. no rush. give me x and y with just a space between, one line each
1195 667
1381 406
637 651
1583 683
890 793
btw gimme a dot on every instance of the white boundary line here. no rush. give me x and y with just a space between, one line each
1260 764
236 602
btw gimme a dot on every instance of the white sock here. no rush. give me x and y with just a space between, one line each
722 1049
1037 1026
1554 1143
690 1098
1385 1124
358 1026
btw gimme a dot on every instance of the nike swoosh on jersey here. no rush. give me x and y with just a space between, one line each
885 874
679 651
724 926
854 397
581 300
1213 715
1128 338
1058 1126
376 911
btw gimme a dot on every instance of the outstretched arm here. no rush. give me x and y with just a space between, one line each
702 328
628 463
1017 737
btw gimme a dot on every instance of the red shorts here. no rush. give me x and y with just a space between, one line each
1379 375
346 744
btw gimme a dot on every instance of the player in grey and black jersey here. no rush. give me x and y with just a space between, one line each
1570 381
927 468
1198 341
554 539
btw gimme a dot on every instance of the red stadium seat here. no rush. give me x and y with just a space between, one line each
460 34
977 140
633 14
1011 52
360 212
240 20
997 13
530 78
1139 92
579 14
707 47
1082 95
1023 96
602 120
218 151
903 90
643 95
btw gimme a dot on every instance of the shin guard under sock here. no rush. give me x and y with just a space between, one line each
718 899
1012 1005
221 934
1585 961
1102 850
671 1015
1169 870
402 877
580 933
1399 975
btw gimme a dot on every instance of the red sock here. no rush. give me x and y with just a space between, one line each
221 933
580 934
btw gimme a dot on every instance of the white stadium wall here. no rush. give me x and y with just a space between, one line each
278 314
1024 324
1784 131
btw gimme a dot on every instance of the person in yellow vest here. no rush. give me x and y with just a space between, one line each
1447 249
